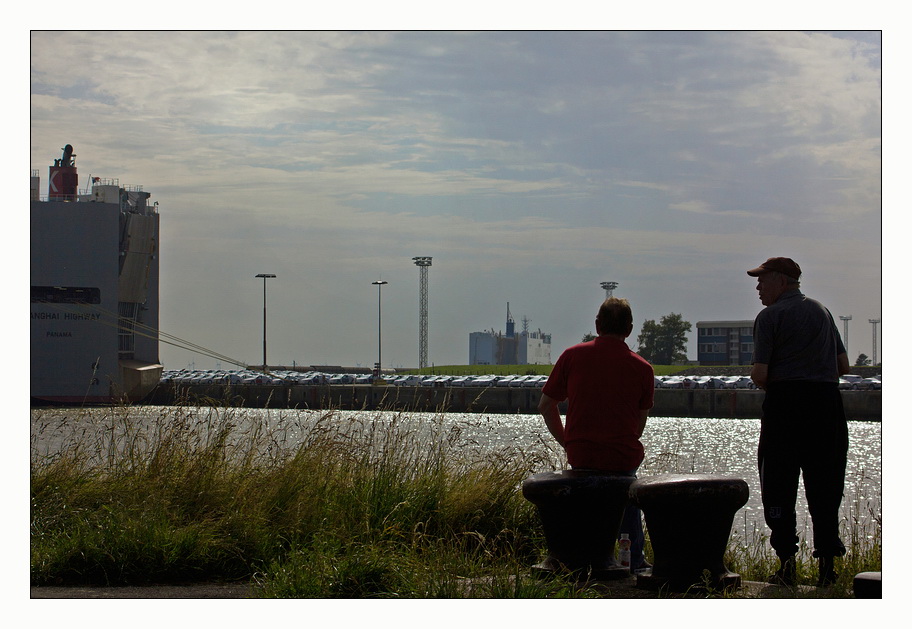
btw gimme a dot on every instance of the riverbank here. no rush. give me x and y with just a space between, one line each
717 403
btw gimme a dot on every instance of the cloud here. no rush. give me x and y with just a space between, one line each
515 158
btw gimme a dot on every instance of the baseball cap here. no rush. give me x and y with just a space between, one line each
786 266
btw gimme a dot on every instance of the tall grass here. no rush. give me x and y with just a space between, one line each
203 494
304 505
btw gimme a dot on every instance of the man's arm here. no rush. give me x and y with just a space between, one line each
644 412
547 406
759 373
842 364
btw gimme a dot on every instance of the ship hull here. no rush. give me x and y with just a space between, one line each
94 297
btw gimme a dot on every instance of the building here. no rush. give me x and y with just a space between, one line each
725 342
496 348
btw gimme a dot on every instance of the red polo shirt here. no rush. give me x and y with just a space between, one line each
606 386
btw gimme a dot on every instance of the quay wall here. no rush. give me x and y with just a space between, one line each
724 403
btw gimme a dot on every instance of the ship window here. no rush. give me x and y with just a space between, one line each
65 295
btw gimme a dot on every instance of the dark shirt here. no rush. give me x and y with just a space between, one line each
797 338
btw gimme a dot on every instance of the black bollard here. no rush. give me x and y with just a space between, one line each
581 514
867 585
689 518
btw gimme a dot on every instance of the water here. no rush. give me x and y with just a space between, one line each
675 445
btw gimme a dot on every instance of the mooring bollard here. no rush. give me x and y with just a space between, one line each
867 585
689 518
581 514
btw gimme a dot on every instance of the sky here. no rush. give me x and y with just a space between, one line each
531 167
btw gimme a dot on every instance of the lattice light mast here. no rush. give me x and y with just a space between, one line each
422 262
845 330
874 322
609 288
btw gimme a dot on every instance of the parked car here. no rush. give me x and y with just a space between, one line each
536 381
721 382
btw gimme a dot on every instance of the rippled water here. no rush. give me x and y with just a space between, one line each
721 446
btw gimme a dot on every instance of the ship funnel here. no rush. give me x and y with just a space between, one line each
63 181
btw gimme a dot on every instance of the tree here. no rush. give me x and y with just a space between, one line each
664 343
862 360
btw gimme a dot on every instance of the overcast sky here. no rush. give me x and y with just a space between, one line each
532 166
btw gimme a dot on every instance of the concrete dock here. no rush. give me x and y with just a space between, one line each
719 403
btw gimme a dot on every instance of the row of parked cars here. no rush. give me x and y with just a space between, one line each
853 382
704 382
846 382
242 376
245 376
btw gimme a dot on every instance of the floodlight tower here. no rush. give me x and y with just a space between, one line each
422 262
874 322
609 288
845 330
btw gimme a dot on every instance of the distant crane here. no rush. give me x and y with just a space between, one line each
422 262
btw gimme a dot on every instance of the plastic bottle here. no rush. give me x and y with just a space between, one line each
624 550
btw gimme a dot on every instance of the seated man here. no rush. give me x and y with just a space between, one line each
609 390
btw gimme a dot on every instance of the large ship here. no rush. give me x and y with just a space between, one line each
94 289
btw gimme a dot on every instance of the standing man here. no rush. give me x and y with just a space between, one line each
609 391
798 358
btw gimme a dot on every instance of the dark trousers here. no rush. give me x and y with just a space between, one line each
803 431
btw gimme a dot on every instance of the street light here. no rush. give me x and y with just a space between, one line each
265 277
379 284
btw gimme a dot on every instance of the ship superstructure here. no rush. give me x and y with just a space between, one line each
94 289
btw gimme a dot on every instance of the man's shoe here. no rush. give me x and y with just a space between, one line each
828 575
786 574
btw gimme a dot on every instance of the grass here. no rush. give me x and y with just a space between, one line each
317 505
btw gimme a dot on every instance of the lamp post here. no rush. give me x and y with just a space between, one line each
379 284
265 277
